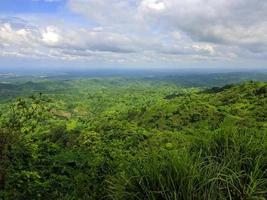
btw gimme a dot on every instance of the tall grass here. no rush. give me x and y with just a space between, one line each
227 165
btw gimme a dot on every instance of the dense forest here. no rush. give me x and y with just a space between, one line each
175 137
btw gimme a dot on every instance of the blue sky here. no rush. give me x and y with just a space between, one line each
31 6
73 34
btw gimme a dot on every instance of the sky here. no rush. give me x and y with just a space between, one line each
139 34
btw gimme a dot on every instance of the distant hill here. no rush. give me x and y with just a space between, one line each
15 89
212 80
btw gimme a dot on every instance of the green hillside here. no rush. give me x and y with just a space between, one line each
119 138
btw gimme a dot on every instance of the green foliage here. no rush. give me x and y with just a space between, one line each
119 138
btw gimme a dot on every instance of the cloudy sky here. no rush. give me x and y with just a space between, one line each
133 33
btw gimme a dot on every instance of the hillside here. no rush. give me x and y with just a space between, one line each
135 139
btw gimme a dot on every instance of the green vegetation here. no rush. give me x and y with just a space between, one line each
133 138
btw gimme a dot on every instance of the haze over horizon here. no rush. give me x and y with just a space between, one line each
69 35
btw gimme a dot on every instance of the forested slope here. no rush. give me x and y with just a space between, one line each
129 139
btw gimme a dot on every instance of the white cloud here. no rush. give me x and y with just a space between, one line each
15 38
50 36
153 5
204 48
145 31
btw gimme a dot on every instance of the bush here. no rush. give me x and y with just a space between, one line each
227 165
